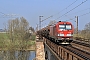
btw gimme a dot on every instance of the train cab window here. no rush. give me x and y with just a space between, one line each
65 27
68 27
62 27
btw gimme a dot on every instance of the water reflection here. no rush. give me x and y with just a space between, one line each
17 55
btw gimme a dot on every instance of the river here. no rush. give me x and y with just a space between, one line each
17 55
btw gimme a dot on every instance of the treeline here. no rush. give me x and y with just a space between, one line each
85 33
18 34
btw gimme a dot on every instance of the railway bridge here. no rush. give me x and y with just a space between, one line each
48 50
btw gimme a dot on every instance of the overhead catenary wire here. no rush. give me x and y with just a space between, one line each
60 11
84 14
72 9
2 13
69 17
80 11
79 16
67 7
8 15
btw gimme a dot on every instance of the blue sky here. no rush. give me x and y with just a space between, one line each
32 9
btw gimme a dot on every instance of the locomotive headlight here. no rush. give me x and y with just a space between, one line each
69 34
58 34
61 34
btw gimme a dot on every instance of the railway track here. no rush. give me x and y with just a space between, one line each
87 41
81 53
72 50
81 45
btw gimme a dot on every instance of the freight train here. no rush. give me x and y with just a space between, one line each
61 32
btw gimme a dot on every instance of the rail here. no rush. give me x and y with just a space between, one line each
82 54
82 39
67 52
81 45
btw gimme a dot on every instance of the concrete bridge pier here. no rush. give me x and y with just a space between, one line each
48 54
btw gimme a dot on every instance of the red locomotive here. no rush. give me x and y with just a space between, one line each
61 32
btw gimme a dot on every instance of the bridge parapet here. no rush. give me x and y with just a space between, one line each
40 55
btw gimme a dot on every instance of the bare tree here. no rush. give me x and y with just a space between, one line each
86 32
10 30
18 29
87 29
24 27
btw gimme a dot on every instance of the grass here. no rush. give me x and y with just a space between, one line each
3 36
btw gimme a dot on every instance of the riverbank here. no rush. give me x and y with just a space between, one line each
30 48
17 45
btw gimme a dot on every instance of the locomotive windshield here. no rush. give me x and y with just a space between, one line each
65 27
